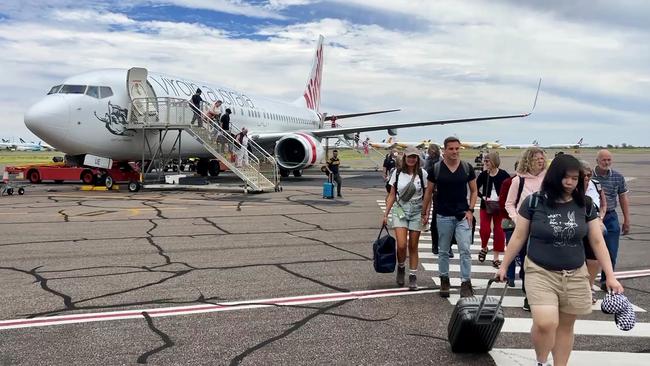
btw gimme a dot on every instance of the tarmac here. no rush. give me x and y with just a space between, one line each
208 278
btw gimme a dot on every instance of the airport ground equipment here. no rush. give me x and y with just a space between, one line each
8 185
59 173
161 117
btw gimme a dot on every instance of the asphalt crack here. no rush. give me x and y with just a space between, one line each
168 343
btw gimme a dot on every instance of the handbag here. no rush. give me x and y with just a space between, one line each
408 191
384 253
492 207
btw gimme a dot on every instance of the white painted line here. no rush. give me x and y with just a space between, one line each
456 268
453 247
477 283
582 327
206 308
429 255
519 357
518 302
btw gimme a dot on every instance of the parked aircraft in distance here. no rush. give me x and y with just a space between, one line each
480 145
88 114
522 146
6 144
575 145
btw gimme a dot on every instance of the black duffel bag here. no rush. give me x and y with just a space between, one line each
384 253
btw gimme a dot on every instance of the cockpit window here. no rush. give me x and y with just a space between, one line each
54 90
105 91
73 89
93 91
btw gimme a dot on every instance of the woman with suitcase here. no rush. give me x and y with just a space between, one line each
404 203
554 222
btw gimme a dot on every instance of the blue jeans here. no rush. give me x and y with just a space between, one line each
513 264
449 226
611 238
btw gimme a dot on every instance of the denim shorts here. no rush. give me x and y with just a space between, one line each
412 215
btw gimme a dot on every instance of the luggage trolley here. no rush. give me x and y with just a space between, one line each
7 186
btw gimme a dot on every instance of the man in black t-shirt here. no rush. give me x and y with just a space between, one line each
196 107
454 214
333 168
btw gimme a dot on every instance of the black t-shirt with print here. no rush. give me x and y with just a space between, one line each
451 189
556 233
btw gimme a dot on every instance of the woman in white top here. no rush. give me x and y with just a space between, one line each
242 153
404 204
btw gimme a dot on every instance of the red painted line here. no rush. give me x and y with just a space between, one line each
154 312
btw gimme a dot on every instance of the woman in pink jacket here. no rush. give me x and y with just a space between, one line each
531 170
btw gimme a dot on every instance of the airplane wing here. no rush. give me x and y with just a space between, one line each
351 115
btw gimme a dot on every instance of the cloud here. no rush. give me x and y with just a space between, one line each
473 58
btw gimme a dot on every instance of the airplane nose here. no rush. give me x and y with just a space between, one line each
48 119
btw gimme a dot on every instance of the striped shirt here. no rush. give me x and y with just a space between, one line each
613 184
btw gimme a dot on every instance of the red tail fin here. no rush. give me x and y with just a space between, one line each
312 90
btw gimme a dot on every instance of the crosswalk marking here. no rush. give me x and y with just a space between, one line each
429 255
582 327
518 357
456 268
518 301
477 283
453 247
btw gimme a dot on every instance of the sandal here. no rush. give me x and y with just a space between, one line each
482 254
496 263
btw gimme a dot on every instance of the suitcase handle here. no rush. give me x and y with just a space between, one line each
480 307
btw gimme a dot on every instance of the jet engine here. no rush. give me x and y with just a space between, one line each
297 151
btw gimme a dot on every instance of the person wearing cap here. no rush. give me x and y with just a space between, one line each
195 105
333 168
242 153
404 204
450 178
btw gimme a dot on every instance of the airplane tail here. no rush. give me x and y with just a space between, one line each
21 140
312 89
580 141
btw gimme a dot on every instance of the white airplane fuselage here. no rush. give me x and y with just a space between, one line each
83 124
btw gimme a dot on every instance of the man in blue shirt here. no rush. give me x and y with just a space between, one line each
614 186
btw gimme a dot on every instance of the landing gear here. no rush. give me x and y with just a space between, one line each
284 173
297 173
202 167
214 168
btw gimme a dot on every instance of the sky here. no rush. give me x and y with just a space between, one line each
432 59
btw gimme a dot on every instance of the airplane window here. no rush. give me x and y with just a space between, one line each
105 91
93 91
73 89
54 90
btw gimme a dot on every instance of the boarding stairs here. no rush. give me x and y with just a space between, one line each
374 155
260 174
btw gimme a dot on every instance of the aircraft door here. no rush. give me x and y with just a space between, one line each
139 88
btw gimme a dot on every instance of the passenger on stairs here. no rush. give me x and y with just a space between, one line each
488 184
195 105
531 170
242 152
225 125
553 223
214 113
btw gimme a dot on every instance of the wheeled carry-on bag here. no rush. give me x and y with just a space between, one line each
476 322
328 188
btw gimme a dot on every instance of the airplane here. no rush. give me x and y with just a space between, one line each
387 143
576 145
7 145
424 144
87 114
29 146
480 145
522 146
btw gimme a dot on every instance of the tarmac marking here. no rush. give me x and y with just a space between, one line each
208 308
582 327
456 268
518 357
476 283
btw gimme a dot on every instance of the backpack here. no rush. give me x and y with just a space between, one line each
436 169
535 197
399 171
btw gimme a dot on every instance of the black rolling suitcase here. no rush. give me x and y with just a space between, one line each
476 323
